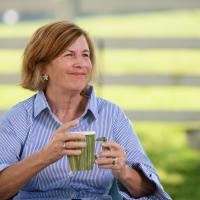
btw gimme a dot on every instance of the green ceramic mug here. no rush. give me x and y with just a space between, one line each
86 159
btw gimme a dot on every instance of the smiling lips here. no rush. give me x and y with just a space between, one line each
77 74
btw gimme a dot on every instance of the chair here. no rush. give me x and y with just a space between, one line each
114 191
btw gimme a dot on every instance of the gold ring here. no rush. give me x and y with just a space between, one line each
115 161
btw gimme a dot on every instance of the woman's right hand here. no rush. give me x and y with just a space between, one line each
18 174
63 143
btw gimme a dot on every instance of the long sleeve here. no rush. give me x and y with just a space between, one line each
13 129
136 157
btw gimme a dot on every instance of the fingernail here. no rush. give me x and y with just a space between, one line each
97 155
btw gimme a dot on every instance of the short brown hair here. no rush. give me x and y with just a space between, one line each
47 43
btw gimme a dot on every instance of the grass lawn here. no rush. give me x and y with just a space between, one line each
124 61
128 97
177 164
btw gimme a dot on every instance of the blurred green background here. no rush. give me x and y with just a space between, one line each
165 141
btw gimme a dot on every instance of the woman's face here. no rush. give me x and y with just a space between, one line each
72 69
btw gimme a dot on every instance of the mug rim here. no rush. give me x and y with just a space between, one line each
86 132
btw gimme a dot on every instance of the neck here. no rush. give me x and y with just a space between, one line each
66 105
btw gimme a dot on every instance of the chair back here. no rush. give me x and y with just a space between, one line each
114 191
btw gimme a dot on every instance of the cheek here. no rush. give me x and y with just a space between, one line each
91 74
90 67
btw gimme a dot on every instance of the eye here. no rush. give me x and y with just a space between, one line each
86 55
68 55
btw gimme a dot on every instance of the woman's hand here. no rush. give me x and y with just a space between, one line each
114 159
134 181
63 143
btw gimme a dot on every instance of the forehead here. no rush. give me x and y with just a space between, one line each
80 43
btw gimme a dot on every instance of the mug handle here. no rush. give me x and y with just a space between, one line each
102 139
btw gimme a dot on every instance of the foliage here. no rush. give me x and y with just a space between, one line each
177 165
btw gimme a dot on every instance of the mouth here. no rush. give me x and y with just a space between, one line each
77 74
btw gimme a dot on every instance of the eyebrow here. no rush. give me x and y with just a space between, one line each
86 50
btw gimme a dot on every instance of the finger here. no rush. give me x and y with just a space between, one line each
107 164
73 137
108 154
111 145
113 167
75 152
107 161
66 126
75 145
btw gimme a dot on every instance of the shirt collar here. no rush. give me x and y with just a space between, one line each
41 103
92 104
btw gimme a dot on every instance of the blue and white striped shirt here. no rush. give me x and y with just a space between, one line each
29 125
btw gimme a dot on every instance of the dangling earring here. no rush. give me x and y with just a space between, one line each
45 77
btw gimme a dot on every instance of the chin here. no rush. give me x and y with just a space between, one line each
77 88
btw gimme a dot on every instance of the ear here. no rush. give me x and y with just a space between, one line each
45 70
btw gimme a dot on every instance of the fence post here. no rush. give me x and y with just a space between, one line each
100 76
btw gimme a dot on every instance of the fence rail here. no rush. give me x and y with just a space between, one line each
131 79
161 115
102 43
158 115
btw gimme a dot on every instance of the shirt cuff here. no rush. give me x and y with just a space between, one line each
3 166
159 194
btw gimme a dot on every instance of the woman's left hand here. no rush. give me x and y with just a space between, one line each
114 159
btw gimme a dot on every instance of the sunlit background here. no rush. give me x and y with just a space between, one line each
148 54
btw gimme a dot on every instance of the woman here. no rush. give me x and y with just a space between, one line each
38 134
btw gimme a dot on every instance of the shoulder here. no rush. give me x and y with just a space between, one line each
105 104
19 113
110 108
113 110
111 113
17 120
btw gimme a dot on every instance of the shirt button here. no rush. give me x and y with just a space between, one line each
71 173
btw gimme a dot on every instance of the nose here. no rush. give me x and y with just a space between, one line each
79 62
